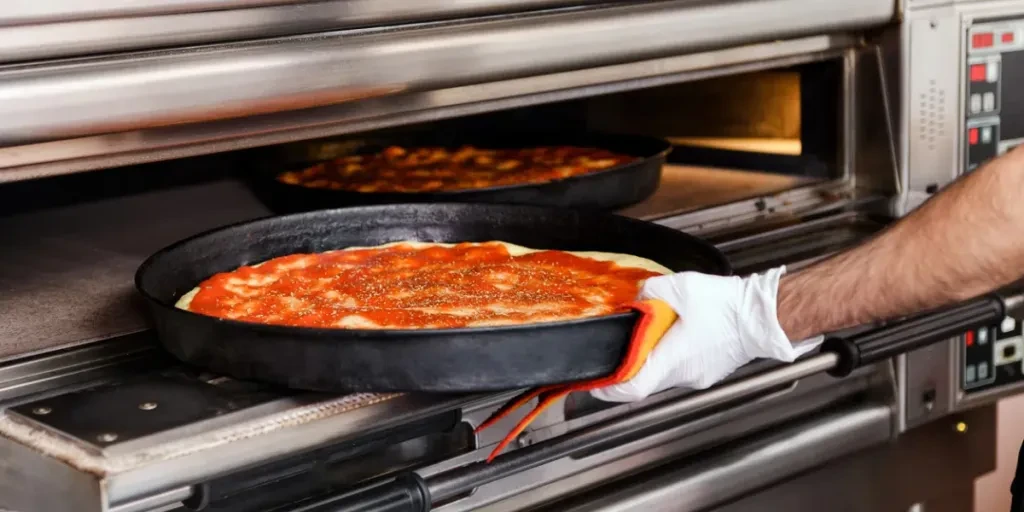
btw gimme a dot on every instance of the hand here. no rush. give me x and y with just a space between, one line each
724 323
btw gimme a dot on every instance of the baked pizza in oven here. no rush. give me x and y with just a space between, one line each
414 285
437 169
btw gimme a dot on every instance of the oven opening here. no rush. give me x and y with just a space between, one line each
733 138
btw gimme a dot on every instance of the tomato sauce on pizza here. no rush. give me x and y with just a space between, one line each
405 286
435 169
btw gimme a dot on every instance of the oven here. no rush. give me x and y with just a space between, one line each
799 128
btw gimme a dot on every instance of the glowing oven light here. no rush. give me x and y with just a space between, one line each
982 40
969 338
978 72
972 139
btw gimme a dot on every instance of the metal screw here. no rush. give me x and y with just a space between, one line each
147 406
42 411
523 440
107 438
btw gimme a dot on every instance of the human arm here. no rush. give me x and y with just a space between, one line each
963 242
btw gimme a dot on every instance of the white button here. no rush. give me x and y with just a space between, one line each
986 135
982 370
982 336
970 376
1008 324
992 72
989 101
975 103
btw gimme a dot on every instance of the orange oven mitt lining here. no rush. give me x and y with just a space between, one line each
655 318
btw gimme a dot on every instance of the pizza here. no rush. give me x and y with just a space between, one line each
436 169
416 285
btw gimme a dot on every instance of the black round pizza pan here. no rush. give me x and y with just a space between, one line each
438 360
609 189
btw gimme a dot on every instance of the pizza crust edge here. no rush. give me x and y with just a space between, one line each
622 260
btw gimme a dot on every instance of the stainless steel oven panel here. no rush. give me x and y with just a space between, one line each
934 99
535 486
165 465
723 474
30 161
67 489
91 96
927 384
80 98
38 30
912 474
930 100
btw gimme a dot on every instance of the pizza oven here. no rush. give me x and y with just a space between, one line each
791 130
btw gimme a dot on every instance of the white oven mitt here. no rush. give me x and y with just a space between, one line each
724 323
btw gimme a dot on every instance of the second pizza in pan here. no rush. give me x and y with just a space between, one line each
416 285
440 169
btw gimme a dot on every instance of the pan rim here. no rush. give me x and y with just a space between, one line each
724 267
412 196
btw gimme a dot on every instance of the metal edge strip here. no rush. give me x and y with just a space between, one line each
37 35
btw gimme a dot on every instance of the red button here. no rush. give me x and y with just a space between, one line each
972 136
977 72
969 338
983 40
1007 37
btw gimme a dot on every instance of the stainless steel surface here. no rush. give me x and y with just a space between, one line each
62 10
934 465
801 244
569 475
933 39
22 12
166 88
67 273
725 474
66 489
38 30
451 483
1014 305
171 497
804 200
931 100
686 188
86 153
930 372
60 370
872 136
140 469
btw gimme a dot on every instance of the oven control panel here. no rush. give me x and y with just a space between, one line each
994 90
992 356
